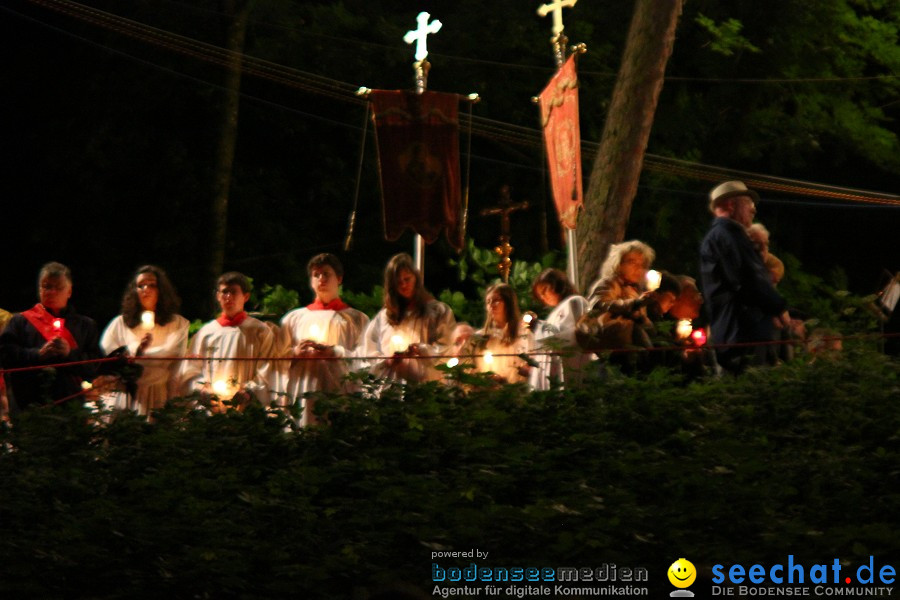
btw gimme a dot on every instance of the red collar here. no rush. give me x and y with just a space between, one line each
336 305
234 321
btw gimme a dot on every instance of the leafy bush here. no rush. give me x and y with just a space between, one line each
799 459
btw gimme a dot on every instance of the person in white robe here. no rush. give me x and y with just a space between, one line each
498 346
553 288
408 336
230 357
148 328
318 336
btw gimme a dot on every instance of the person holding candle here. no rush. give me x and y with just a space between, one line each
316 336
50 333
740 297
230 356
617 313
149 326
503 337
411 324
553 289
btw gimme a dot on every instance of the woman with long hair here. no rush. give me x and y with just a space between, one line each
149 326
411 324
503 338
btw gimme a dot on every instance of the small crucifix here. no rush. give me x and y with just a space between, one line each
555 7
505 208
419 35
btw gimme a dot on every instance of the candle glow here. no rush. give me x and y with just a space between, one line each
57 325
220 387
699 337
148 320
527 318
653 279
398 343
684 329
488 358
453 362
315 334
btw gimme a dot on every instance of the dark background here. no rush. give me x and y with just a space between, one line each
108 143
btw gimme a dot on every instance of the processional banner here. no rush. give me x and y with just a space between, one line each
562 139
418 163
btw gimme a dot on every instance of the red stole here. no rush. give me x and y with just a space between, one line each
234 321
42 320
336 305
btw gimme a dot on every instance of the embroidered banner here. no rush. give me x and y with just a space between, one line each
562 139
418 162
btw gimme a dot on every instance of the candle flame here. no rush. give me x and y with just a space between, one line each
653 279
148 320
527 318
699 337
398 343
57 324
315 334
684 329
453 362
220 387
488 358
86 385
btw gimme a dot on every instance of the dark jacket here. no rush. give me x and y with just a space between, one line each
20 344
739 296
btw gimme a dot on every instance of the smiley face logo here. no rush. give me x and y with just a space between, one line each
682 573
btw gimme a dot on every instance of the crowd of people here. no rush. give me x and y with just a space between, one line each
629 312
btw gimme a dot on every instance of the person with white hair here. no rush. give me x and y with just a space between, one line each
617 313
740 297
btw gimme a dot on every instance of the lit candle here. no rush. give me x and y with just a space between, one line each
220 387
57 326
398 343
488 358
453 362
86 385
699 337
526 318
683 329
315 334
653 279
148 320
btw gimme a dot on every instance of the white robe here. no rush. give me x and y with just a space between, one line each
560 336
159 380
504 360
433 330
340 329
217 345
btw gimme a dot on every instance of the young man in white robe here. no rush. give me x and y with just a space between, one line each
234 350
318 337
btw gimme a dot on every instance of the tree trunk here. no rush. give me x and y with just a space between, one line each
617 168
237 30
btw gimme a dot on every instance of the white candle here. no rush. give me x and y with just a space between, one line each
453 362
148 320
683 329
653 279
488 358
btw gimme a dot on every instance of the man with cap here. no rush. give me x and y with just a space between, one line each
740 297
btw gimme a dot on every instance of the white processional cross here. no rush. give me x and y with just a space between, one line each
419 35
556 7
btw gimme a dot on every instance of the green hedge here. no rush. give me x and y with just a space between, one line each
799 459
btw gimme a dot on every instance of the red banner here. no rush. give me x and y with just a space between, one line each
418 162
562 139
